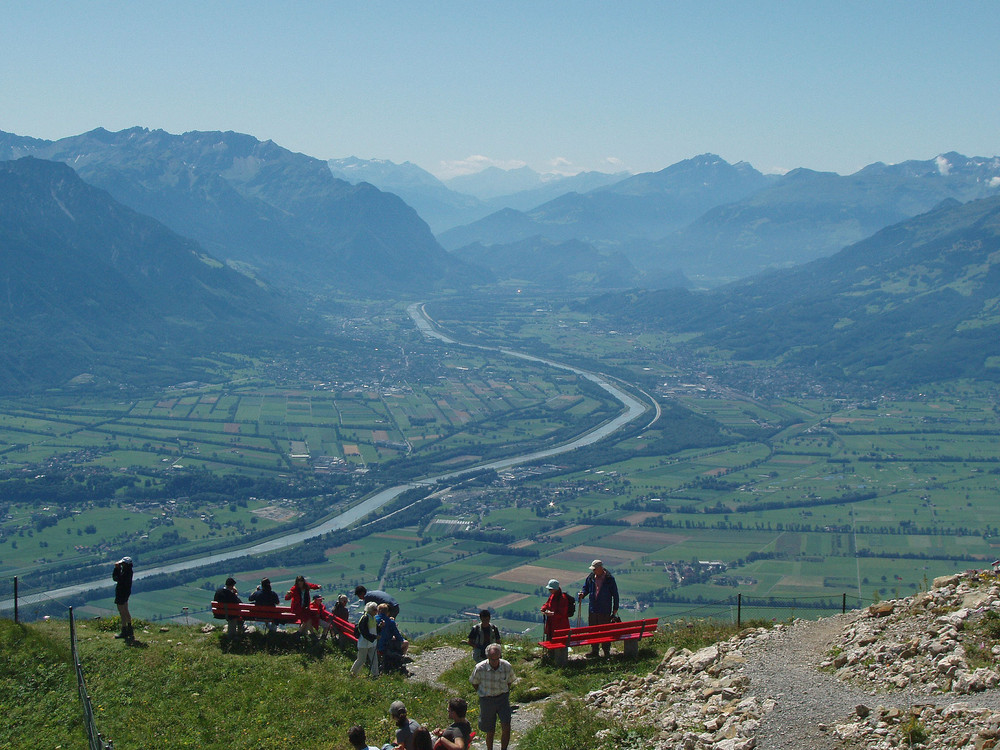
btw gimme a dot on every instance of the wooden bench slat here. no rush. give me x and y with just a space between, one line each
607 633
247 611
346 629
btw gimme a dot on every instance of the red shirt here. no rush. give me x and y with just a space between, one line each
557 604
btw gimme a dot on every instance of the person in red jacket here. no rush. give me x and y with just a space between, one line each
555 609
301 600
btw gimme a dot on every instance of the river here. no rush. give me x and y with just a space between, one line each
632 410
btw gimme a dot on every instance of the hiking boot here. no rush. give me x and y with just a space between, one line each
123 634
130 635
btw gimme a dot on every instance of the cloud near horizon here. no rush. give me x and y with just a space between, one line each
473 164
558 165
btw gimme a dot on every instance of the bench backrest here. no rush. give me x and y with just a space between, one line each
346 628
247 611
620 631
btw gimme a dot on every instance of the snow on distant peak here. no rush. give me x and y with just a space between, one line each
994 182
943 165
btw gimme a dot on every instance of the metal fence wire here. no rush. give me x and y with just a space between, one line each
94 739
741 608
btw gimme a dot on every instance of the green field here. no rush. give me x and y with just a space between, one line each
800 501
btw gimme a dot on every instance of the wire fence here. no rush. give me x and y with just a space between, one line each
741 609
94 739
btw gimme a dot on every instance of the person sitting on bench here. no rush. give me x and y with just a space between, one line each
229 595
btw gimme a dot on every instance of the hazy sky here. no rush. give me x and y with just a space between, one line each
559 86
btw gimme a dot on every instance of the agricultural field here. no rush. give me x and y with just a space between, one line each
207 467
796 504
787 525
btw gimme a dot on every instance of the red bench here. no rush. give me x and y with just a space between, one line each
246 611
630 633
346 629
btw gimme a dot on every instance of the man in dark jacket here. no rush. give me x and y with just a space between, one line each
229 595
379 597
265 596
122 576
602 589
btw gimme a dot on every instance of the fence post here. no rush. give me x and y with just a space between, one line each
739 610
15 600
843 604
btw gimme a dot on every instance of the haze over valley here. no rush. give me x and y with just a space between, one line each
453 306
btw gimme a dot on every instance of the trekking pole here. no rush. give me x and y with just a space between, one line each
579 611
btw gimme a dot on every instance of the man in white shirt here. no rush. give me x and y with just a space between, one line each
493 678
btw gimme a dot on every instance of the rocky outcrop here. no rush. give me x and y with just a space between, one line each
923 641
693 699
918 672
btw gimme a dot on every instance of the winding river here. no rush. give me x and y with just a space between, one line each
632 410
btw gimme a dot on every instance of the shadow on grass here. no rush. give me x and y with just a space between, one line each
278 643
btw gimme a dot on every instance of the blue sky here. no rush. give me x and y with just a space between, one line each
454 86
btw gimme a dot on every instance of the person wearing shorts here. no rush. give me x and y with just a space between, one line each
493 678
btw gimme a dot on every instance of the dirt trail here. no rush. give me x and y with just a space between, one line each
428 666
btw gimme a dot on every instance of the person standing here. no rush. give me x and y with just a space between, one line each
367 632
482 635
493 678
555 609
300 600
602 589
122 576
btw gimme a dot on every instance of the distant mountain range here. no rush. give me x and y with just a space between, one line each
91 288
255 204
717 221
465 199
806 215
158 248
915 303
643 206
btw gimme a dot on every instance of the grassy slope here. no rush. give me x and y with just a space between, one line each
185 688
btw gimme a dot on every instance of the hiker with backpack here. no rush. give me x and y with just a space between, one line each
558 608
482 635
122 576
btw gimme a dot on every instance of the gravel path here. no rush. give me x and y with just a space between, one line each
783 669
428 666
809 702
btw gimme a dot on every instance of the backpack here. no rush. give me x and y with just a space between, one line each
570 605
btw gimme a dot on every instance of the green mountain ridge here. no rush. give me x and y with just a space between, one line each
914 303
258 204
92 286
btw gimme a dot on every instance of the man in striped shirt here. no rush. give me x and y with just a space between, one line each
493 678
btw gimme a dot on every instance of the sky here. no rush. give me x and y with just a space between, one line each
560 87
